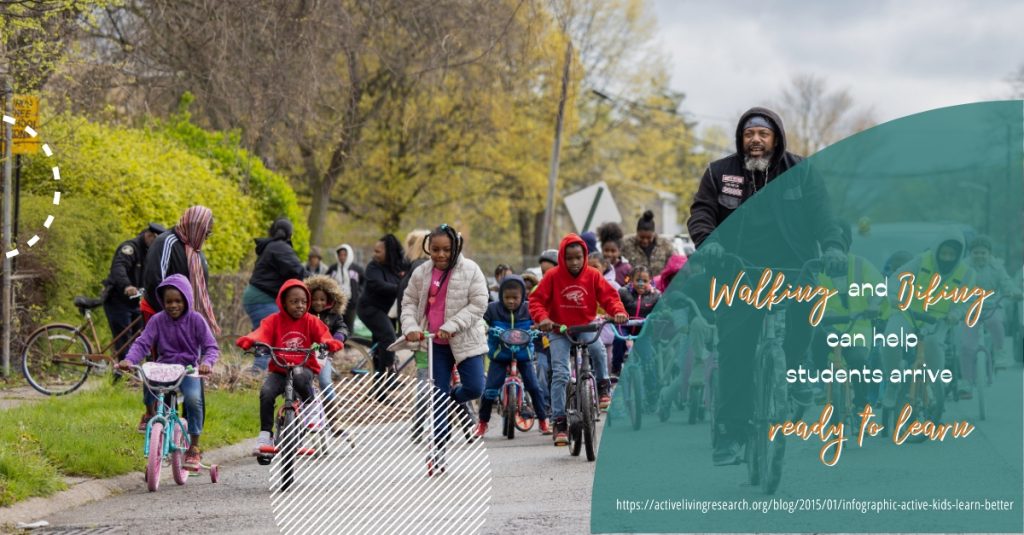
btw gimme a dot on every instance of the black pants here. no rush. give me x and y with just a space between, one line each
383 329
736 352
120 316
273 386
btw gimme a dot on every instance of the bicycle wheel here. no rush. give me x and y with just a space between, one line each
511 412
696 401
53 360
287 442
774 402
156 453
179 444
363 360
575 435
979 383
589 428
635 400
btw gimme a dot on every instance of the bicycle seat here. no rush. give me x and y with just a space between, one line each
87 303
162 374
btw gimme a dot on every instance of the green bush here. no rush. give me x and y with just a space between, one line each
114 180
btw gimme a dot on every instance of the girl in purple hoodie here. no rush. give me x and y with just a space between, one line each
180 336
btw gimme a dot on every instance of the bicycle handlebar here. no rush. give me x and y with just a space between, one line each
167 388
283 363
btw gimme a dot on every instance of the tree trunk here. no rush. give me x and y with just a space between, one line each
318 211
538 233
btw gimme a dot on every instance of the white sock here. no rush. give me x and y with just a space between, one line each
264 435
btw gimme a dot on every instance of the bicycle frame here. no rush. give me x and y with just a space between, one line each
166 414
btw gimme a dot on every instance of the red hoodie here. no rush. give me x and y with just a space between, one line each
572 300
280 330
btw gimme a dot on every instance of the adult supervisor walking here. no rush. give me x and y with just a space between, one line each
122 285
794 226
276 262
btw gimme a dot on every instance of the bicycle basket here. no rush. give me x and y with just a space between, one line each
162 374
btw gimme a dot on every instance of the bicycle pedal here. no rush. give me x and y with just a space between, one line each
307 451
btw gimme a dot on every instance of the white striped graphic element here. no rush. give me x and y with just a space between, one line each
33 240
9 120
56 198
12 254
375 478
56 173
48 222
30 131
47 151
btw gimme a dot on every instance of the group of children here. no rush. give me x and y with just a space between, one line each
447 296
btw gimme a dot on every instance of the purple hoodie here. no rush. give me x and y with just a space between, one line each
178 341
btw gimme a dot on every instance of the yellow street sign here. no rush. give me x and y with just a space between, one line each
26 113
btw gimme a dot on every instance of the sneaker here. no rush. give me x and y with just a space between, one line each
603 398
726 453
561 432
143 422
264 442
481 429
545 428
193 458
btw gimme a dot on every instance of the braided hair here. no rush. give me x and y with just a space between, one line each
394 254
456 241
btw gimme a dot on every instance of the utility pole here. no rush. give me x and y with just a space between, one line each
556 148
6 239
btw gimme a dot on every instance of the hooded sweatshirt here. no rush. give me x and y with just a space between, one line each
499 316
186 340
675 263
799 214
331 316
276 259
923 265
280 330
568 299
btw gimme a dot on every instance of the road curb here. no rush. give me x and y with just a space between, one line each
34 509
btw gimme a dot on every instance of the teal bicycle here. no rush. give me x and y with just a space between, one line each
167 433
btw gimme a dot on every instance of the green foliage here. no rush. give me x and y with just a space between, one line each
115 180
92 434
223 149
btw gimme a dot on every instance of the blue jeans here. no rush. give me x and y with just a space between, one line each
471 373
560 346
326 384
544 376
256 312
192 395
496 379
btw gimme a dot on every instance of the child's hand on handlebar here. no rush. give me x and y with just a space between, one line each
620 318
124 365
443 334
545 325
245 342
205 369
334 345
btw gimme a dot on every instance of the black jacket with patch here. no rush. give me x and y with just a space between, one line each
800 212
126 269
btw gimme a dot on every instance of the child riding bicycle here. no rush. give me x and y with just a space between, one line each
181 336
511 311
294 327
569 295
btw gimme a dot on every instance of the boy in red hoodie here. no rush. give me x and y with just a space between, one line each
292 327
569 295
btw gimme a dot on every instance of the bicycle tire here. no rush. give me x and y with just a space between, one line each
695 409
178 446
634 395
979 383
571 404
37 359
771 452
511 412
588 426
155 457
287 442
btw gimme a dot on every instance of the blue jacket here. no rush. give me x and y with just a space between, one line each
499 316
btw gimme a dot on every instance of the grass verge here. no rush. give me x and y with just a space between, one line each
92 434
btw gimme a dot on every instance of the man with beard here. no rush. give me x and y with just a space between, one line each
792 224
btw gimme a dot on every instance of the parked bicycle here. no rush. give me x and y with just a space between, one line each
58 357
